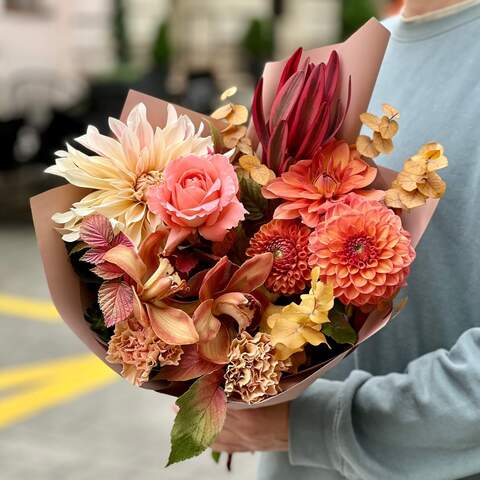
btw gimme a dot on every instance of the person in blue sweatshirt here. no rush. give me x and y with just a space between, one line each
406 405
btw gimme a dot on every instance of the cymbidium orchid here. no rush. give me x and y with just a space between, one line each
138 283
305 113
228 305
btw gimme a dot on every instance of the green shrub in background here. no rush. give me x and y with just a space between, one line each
355 13
162 50
258 39
122 47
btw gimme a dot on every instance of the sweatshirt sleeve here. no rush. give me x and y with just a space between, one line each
422 424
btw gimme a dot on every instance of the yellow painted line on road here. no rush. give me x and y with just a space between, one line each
39 386
40 310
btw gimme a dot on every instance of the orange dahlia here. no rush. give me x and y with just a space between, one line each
310 186
362 249
288 241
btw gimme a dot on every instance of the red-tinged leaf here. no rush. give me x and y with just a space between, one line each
258 115
96 231
122 239
172 325
286 99
290 68
128 260
206 323
203 409
107 271
216 279
115 298
252 274
277 147
216 350
191 366
94 255
241 307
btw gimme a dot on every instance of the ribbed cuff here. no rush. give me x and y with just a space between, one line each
312 426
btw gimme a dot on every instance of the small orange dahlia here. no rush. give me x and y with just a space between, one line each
362 249
288 241
311 186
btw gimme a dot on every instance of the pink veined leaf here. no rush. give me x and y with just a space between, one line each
201 416
94 255
96 231
191 366
107 271
277 147
115 298
252 274
122 239
286 99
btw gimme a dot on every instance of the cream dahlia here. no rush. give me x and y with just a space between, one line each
287 240
123 168
310 186
362 249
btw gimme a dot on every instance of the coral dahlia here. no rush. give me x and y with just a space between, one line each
288 241
310 186
362 249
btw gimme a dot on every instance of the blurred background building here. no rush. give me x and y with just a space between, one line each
65 64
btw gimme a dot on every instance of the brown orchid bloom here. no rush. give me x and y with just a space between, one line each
228 304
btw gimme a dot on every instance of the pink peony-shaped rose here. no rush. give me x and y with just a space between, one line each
198 193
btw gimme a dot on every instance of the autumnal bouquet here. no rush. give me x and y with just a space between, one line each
226 263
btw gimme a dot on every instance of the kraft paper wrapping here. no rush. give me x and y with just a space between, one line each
361 57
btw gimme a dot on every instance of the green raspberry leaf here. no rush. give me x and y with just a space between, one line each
339 328
203 408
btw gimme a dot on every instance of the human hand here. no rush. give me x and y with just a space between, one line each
257 430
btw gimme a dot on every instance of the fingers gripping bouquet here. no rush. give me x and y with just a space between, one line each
230 264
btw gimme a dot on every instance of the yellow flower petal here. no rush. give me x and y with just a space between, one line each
313 336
